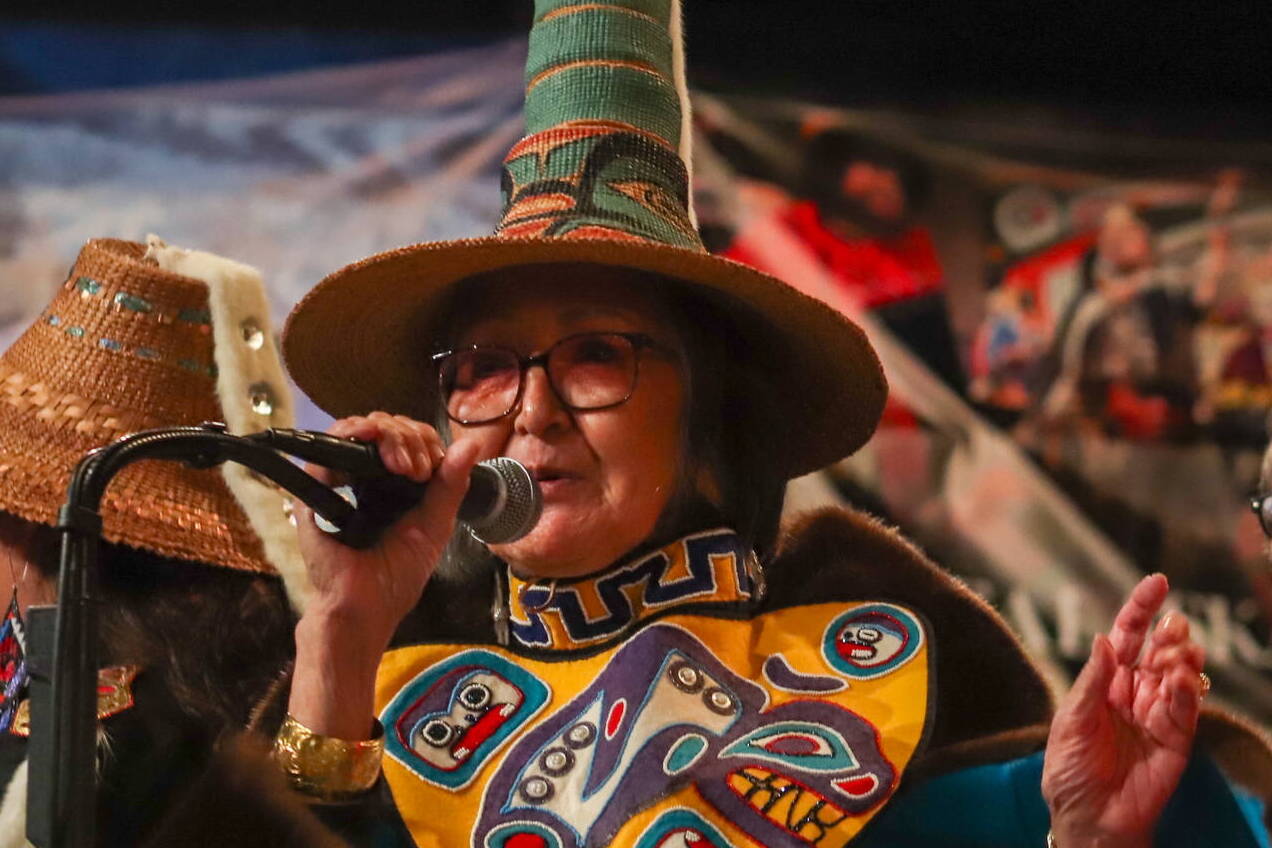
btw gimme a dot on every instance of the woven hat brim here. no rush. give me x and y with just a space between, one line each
359 341
172 510
63 393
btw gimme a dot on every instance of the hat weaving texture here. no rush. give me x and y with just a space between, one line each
601 178
126 345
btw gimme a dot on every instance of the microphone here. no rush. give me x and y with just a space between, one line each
503 502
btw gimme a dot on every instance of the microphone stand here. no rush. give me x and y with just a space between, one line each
61 800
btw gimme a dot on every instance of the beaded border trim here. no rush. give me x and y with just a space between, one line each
123 301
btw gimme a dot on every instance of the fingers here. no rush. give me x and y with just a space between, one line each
1184 688
1169 671
1167 685
1133 620
430 524
1189 657
411 449
407 447
1170 647
1171 717
423 447
1091 688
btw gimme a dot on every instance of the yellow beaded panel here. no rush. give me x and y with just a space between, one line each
792 728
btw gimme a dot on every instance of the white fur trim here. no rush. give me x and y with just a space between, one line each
236 299
676 32
13 810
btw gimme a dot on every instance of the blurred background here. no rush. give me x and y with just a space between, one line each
1054 220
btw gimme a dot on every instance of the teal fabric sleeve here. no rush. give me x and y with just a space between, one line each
1000 806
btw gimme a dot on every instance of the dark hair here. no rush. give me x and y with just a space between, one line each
219 637
729 418
828 153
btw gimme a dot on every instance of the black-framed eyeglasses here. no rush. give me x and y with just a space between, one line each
587 371
1261 505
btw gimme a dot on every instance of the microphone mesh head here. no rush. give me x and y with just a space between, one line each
523 502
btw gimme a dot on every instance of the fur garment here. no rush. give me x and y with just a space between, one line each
240 311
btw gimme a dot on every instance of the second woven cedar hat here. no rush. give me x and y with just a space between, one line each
600 178
138 338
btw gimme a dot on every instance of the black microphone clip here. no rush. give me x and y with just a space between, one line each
503 502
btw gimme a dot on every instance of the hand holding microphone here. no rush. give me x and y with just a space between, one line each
359 597
502 504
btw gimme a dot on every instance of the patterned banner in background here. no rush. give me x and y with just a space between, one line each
1076 357
1075 348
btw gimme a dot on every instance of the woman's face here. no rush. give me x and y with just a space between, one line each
606 474
877 188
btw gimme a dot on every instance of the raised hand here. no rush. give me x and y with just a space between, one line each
1122 736
360 596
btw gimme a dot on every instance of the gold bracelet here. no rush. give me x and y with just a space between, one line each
325 767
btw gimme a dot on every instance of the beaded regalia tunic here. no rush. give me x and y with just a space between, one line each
650 705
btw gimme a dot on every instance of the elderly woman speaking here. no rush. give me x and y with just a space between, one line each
649 666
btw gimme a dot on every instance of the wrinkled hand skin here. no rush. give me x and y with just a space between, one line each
360 596
378 586
1122 736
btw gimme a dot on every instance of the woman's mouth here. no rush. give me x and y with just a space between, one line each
553 481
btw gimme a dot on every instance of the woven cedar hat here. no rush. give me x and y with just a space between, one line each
601 178
126 345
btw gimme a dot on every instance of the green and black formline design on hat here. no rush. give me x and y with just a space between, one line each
602 178
604 156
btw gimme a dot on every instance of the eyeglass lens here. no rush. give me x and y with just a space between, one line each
588 371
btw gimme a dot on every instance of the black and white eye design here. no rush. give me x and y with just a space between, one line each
869 635
475 696
437 733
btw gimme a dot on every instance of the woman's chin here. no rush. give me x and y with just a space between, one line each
563 544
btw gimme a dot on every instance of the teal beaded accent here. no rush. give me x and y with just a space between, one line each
196 367
87 286
195 316
131 301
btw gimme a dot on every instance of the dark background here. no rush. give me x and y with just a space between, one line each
1191 70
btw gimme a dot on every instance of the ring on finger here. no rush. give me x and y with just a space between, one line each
1205 683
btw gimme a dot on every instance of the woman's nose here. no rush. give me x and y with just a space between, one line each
541 410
